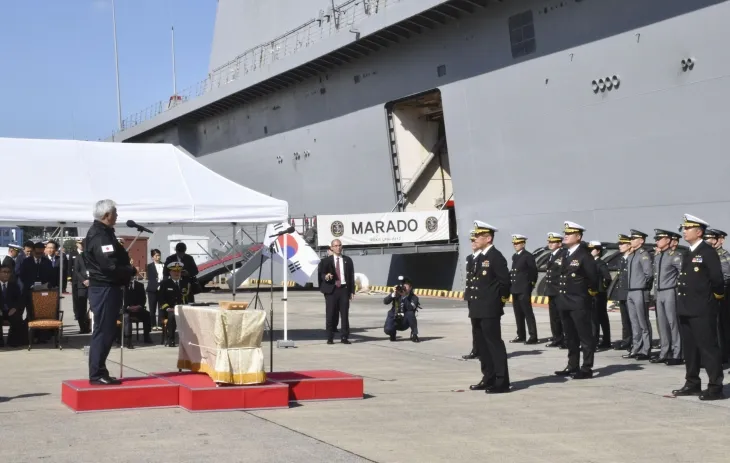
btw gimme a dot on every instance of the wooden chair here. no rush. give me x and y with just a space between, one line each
45 315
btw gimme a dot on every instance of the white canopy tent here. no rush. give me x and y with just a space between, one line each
151 183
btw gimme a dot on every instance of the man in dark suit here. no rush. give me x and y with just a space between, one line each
53 256
490 291
27 252
12 305
134 307
600 300
190 268
555 245
621 293
11 259
36 269
700 287
80 288
154 278
524 276
578 284
337 277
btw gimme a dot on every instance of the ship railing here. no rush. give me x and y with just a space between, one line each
340 18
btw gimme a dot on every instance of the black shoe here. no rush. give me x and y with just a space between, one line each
414 338
629 356
687 390
622 346
171 344
497 390
712 395
567 371
392 337
518 339
105 381
345 341
335 330
658 360
582 374
605 345
642 357
469 356
553 344
329 341
674 362
531 341
482 386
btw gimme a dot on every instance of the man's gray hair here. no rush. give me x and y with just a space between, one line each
103 207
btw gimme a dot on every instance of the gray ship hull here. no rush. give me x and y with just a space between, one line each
531 143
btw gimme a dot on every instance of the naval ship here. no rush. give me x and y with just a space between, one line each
521 113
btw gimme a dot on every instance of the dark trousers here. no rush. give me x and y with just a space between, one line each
169 315
522 305
600 318
626 333
723 329
16 330
475 322
700 346
556 323
338 303
409 321
492 353
579 333
106 304
80 303
152 307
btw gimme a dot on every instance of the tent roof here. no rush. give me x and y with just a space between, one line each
152 184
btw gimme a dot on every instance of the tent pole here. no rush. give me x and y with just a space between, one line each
60 279
233 266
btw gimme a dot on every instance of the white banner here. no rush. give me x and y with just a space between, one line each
388 228
302 261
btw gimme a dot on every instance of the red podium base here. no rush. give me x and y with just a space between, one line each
199 393
319 385
143 392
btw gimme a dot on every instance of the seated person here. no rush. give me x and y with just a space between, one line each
36 270
402 314
173 291
135 299
12 305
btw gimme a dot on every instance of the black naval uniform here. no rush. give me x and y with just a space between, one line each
600 305
523 276
491 286
699 282
552 291
170 294
620 294
467 296
578 278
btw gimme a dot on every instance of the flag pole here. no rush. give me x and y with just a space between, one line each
116 64
285 270
174 76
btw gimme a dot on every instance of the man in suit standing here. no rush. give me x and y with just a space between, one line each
154 278
578 284
55 259
337 275
80 289
11 260
700 286
715 239
621 291
600 300
490 291
190 268
555 245
523 276
12 305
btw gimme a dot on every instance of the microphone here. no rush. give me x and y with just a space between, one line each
133 224
287 231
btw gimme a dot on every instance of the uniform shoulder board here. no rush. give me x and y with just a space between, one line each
641 251
671 253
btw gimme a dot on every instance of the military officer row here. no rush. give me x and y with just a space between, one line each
687 292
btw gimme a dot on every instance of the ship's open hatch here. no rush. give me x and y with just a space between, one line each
420 152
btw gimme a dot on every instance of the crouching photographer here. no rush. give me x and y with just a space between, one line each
402 314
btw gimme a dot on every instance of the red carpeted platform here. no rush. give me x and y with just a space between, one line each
142 392
199 393
320 384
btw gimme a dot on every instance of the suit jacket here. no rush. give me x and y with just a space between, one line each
43 272
552 274
153 279
491 284
79 273
13 298
56 266
604 276
170 294
135 294
327 265
188 262
578 275
523 273
701 276
10 262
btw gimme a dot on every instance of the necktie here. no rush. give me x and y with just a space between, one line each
337 269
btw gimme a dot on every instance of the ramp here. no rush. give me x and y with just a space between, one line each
246 259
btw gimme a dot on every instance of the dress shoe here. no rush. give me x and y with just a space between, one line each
712 395
658 360
414 338
629 356
392 337
105 381
497 390
329 341
642 357
531 341
482 386
583 374
518 339
345 341
674 362
687 390
469 356
552 344
604 345
622 346
567 371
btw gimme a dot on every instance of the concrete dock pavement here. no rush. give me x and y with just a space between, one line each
418 407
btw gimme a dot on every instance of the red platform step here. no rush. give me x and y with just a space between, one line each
320 385
136 392
199 393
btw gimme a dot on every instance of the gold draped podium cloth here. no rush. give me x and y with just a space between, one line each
225 344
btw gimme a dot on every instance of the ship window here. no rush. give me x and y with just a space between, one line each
522 34
441 70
